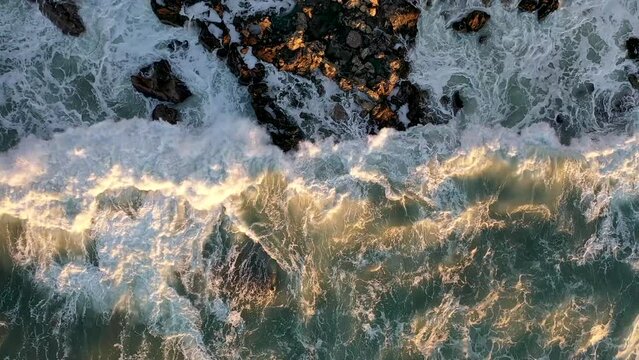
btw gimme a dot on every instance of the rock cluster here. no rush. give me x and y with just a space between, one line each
158 81
63 14
360 44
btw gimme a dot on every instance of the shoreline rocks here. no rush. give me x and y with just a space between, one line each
158 81
472 22
162 112
63 14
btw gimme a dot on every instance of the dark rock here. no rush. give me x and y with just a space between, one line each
168 11
166 113
283 131
416 100
546 7
206 38
634 81
632 45
383 116
64 15
157 81
354 39
528 5
472 22
238 67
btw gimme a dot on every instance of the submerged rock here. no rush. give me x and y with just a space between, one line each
157 81
253 270
472 22
166 113
64 15
632 45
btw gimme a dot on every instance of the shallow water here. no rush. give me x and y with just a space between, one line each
502 234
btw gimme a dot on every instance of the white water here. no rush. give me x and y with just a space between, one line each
150 195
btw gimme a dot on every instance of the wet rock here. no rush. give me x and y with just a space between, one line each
168 11
528 5
632 45
472 22
354 39
383 116
238 67
416 100
64 15
157 81
284 132
166 113
546 7
209 41
357 44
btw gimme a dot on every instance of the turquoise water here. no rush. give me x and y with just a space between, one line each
502 234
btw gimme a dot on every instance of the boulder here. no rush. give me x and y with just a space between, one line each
64 15
528 5
632 45
168 11
546 7
166 113
158 81
354 39
472 22
284 132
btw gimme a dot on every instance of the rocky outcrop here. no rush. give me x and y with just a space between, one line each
63 14
284 132
542 7
361 45
158 81
166 113
473 22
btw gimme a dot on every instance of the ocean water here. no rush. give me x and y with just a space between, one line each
504 234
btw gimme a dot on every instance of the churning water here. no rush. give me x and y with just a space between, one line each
503 234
